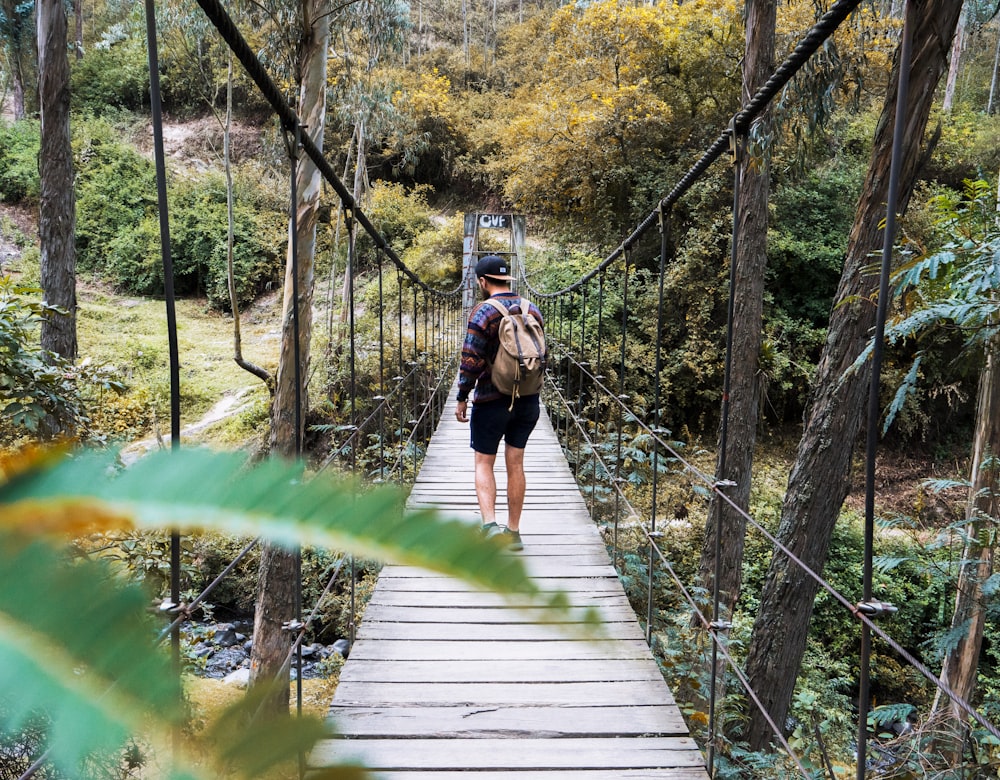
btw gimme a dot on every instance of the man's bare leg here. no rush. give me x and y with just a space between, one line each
486 487
514 461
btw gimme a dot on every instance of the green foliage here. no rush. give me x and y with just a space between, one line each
40 393
19 144
435 254
114 73
620 89
85 653
946 291
116 188
118 231
400 215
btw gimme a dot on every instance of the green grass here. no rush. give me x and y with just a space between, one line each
131 333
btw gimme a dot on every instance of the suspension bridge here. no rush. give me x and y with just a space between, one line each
443 678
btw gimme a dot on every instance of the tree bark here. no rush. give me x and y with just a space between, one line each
276 587
961 664
957 47
78 19
736 461
820 476
57 209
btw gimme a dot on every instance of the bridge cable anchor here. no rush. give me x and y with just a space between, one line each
876 609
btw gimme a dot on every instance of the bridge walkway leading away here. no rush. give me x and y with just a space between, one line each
446 679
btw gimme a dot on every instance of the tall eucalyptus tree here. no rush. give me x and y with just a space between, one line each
277 582
820 475
57 208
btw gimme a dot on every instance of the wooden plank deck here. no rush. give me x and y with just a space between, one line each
444 679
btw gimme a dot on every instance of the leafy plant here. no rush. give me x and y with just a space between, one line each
83 653
19 144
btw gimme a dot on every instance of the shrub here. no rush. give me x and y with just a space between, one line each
112 75
116 188
19 144
198 229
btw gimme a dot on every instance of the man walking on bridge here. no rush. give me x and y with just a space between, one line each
494 415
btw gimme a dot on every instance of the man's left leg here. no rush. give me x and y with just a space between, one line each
486 487
514 463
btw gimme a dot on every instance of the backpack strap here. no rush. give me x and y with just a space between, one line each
525 307
517 341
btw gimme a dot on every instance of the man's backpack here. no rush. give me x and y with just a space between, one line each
519 366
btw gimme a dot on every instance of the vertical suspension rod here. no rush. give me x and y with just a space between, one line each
656 420
170 300
736 140
888 239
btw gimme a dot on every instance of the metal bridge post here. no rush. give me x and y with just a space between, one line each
888 239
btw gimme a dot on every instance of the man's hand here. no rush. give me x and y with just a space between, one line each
461 411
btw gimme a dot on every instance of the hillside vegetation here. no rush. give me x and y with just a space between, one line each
582 117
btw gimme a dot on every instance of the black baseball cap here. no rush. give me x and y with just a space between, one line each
494 267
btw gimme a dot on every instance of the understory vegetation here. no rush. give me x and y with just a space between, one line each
581 116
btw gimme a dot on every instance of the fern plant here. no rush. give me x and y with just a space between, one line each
79 645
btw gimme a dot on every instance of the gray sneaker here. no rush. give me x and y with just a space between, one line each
513 539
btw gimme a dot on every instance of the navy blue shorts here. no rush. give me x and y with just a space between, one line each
492 421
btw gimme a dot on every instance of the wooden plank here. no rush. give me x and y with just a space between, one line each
490 753
537 566
452 650
496 615
490 633
393 579
462 599
492 669
500 693
479 722
663 773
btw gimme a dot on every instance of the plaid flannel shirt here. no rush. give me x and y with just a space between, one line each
480 348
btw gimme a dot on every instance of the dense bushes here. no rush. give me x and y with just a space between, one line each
19 161
118 234
198 230
113 75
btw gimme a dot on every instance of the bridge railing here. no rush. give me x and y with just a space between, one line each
606 406
387 380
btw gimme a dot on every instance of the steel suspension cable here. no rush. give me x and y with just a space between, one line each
651 536
156 105
658 370
856 610
381 369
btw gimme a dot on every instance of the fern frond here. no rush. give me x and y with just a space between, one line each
197 490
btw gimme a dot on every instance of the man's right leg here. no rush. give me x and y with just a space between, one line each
486 487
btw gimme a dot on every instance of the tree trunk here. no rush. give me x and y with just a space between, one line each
993 79
961 664
957 46
276 587
17 87
736 462
57 210
820 476
78 18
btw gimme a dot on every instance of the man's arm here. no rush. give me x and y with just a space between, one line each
473 352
